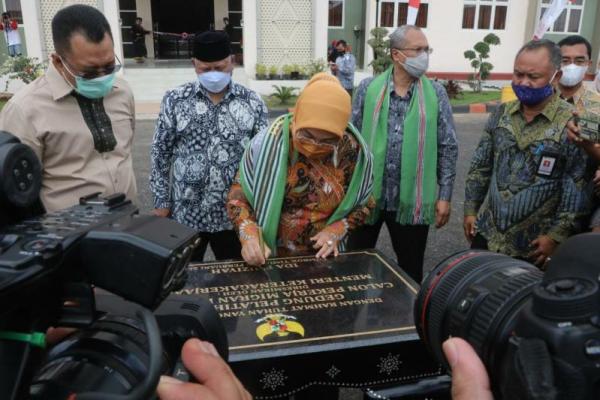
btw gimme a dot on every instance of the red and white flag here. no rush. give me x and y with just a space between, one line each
550 16
413 10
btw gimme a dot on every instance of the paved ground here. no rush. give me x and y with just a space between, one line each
441 244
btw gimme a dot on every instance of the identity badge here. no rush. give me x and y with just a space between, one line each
547 164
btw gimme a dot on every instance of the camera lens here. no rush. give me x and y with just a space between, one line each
110 357
475 295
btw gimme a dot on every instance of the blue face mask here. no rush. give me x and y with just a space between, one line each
533 96
214 81
96 88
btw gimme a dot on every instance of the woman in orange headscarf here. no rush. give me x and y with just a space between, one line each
306 182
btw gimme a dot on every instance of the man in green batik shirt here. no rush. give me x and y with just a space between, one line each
525 191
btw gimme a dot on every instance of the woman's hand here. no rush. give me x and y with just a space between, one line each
327 243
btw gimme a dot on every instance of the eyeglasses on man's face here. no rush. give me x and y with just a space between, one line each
93 73
417 50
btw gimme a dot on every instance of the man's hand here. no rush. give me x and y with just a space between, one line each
215 379
327 243
442 213
162 212
470 380
253 254
469 227
573 129
543 249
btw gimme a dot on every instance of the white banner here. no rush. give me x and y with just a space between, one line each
550 16
413 11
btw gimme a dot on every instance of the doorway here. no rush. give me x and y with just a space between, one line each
175 18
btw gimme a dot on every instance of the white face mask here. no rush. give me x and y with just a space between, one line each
597 82
572 75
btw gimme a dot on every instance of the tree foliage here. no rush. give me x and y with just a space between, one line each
380 45
478 56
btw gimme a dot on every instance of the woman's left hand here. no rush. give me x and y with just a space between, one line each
327 243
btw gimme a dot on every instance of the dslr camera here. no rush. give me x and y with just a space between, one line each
99 267
537 333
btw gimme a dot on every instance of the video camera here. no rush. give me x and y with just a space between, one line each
52 269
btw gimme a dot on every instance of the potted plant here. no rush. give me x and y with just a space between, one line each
314 67
284 94
287 71
295 74
273 72
261 71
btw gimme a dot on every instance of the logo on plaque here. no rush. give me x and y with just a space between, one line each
278 325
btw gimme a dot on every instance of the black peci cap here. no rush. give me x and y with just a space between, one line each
212 46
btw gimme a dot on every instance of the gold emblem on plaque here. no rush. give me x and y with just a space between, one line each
279 325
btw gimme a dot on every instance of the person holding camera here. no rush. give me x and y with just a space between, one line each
216 381
576 54
526 188
11 34
79 117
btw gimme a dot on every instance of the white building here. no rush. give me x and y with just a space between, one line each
278 32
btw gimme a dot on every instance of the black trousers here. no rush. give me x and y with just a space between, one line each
224 244
408 241
479 243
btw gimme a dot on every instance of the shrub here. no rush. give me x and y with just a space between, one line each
382 59
478 56
284 93
315 66
261 70
24 68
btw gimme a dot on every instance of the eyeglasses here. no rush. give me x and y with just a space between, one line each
306 136
108 70
417 50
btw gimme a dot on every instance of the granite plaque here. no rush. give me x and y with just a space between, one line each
300 321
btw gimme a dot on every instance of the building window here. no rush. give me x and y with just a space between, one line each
569 20
13 7
394 13
336 13
485 14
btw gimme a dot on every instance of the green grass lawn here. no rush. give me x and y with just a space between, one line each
468 97
274 104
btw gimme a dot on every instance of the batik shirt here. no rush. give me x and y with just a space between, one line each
346 65
314 189
447 143
197 150
586 100
526 180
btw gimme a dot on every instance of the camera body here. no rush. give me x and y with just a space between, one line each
537 334
54 268
589 127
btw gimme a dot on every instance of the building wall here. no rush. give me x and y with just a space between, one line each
354 16
284 31
449 40
221 11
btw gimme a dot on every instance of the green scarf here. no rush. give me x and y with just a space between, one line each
263 177
418 173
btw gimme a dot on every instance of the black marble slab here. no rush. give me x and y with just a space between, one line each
299 322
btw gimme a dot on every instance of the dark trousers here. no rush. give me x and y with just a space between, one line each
479 243
224 244
408 241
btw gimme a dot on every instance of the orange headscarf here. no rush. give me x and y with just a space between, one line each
323 104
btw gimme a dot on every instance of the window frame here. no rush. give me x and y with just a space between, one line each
397 12
343 15
21 24
570 6
491 3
